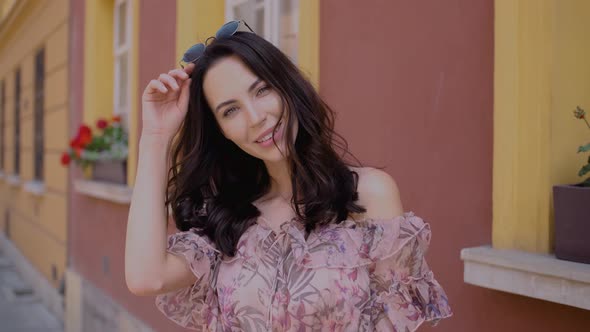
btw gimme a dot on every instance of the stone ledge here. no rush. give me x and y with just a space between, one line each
13 180
35 187
540 276
112 192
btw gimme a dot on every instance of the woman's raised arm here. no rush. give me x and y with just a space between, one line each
149 268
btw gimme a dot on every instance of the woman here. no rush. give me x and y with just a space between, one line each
277 231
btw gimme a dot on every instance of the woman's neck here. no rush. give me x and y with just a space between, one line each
280 177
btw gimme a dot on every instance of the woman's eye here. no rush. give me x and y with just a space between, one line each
229 110
261 90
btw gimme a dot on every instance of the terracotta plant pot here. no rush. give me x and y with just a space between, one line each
572 222
110 171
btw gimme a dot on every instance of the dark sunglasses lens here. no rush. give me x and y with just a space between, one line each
193 53
227 29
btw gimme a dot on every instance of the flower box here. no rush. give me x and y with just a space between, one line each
114 171
102 155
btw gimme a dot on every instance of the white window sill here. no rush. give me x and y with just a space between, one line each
540 276
116 193
35 187
13 180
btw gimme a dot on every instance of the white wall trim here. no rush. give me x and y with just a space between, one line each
13 180
34 187
115 193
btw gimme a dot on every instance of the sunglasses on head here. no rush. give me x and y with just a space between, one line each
228 29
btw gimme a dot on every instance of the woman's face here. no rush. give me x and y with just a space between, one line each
245 107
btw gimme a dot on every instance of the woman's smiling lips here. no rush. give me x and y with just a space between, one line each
277 136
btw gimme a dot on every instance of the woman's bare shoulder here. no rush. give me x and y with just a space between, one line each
378 193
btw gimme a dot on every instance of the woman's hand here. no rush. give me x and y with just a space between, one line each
165 102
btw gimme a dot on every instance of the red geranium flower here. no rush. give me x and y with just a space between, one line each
116 118
65 159
75 142
101 124
84 135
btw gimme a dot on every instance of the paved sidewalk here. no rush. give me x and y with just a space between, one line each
20 309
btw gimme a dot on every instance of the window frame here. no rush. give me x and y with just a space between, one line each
271 20
119 51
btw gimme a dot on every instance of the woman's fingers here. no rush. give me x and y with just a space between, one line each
156 86
179 74
189 68
169 80
173 80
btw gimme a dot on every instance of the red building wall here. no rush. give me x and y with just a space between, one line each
97 228
412 82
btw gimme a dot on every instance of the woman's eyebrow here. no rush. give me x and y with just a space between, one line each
252 86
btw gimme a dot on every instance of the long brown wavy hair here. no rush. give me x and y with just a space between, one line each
212 183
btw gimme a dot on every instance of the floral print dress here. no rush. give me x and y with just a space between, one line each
368 275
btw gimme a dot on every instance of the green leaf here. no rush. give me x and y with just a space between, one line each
584 148
584 170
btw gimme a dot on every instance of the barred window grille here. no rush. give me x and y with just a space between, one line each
2 124
39 130
17 88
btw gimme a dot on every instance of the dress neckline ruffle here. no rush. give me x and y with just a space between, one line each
351 243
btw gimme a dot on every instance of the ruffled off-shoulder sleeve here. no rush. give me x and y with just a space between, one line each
188 306
407 294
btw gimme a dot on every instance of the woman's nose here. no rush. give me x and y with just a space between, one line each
255 116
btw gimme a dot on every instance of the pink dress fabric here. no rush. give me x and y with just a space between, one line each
368 275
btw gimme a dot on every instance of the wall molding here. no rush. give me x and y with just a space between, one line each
540 276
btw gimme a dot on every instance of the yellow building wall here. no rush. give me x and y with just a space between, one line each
196 20
541 74
98 61
571 87
309 40
37 223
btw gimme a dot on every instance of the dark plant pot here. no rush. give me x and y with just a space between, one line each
110 171
572 222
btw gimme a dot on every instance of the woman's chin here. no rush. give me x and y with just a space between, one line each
272 155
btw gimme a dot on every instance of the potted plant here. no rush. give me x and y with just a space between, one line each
103 154
572 212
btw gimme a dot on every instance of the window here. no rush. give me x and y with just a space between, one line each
122 21
17 122
2 124
38 115
276 21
